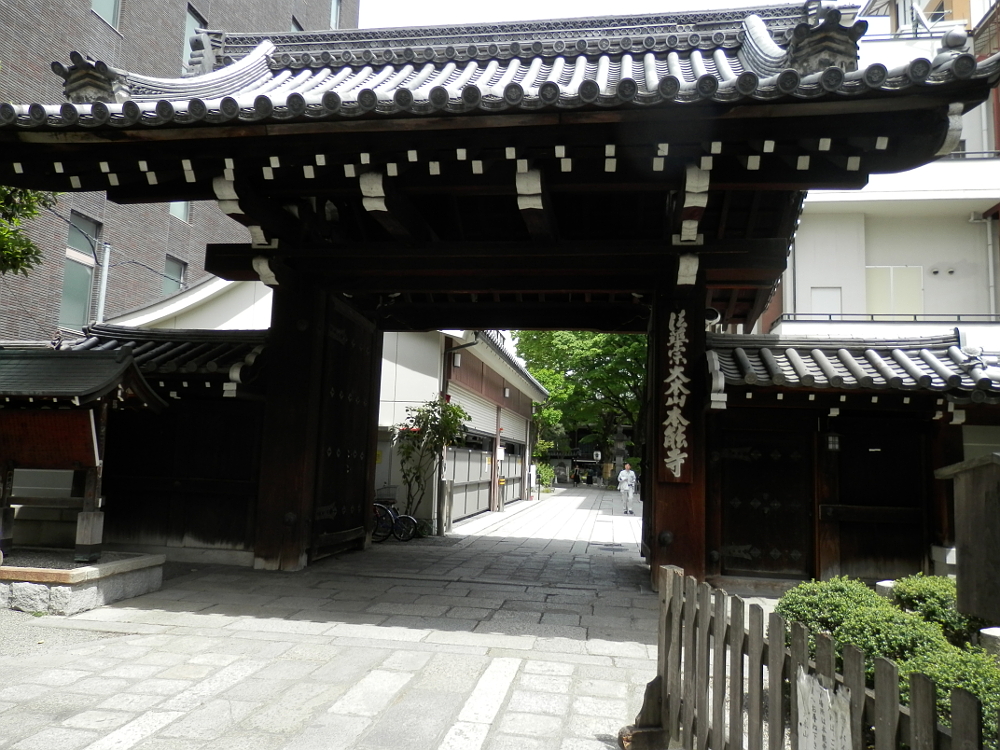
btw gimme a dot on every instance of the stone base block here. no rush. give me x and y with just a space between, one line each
67 592
944 561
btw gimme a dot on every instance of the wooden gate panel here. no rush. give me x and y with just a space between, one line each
348 398
766 482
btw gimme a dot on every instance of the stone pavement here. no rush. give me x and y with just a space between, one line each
534 628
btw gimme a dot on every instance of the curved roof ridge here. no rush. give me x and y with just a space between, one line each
759 52
730 341
778 14
246 69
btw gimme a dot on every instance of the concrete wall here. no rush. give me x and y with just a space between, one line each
411 373
829 255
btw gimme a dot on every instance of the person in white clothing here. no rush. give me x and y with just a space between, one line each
626 485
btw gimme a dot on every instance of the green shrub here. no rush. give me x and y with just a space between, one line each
890 633
970 669
934 598
823 606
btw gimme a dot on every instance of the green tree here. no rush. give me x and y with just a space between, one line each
595 380
421 440
18 254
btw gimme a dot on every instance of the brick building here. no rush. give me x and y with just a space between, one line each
156 249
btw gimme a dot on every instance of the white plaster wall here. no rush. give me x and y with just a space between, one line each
214 304
830 252
411 373
245 305
944 243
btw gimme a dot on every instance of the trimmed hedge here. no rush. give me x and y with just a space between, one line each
971 669
917 640
823 606
890 633
934 598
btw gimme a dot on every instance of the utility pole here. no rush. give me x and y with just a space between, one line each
102 294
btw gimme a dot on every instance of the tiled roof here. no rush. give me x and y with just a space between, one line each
610 62
929 364
178 351
42 376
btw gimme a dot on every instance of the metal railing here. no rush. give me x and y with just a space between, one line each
885 318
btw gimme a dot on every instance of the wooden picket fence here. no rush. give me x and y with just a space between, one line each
720 686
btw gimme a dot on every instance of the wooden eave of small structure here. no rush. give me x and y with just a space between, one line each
938 367
175 360
513 175
45 378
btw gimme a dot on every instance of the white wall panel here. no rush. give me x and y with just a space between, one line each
830 254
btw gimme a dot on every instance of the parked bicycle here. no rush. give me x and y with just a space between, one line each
388 521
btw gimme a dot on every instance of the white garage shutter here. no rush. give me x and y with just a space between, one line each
483 412
514 427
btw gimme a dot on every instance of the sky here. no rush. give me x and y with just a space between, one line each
380 13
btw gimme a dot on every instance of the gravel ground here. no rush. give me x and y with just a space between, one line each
61 559
22 634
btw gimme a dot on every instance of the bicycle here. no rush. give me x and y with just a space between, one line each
388 522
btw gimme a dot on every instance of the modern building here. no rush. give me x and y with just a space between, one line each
102 258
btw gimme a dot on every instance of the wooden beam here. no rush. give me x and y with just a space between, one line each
390 208
558 316
725 250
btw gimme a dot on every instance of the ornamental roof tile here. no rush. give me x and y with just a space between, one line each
726 57
38 376
940 364
178 351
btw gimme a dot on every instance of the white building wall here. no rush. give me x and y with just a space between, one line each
411 373
213 304
949 245
830 255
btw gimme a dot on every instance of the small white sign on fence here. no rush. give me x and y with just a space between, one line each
824 715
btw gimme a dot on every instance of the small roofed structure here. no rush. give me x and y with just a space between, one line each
53 415
821 452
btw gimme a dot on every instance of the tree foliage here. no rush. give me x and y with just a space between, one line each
420 442
18 254
595 380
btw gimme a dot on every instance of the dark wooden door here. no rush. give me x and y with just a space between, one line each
877 517
766 486
345 464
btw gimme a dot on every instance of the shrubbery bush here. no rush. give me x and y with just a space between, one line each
890 633
934 598
916 639
971 669
823 606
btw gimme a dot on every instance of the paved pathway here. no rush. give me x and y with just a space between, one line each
534 628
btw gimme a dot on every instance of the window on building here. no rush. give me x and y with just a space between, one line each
296 26
335 14
174 271
106 9
78 272
192 22
181 210
894 292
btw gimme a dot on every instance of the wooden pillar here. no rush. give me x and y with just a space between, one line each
90 520
6 512
318 454
288 453
676 437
